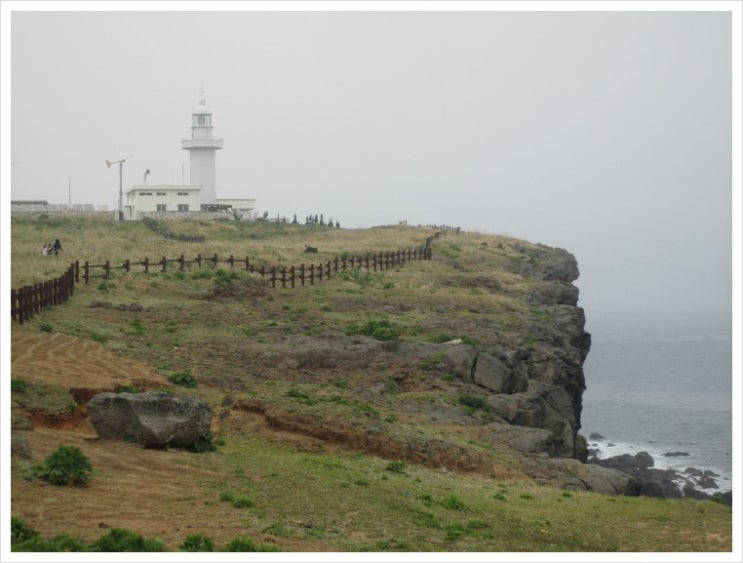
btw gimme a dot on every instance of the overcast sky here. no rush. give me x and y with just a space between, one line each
605 133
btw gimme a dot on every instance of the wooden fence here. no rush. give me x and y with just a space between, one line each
287 276
32 299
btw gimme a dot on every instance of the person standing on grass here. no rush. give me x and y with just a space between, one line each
45 250
57 247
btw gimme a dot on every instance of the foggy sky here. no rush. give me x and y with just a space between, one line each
605 133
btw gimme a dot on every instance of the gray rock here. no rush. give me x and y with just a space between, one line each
493 375
152 419
595 478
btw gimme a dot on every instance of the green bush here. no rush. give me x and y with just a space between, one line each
397 466
45 327
197 542
118 539
17 386
183 378
67 465
474 402
97 337
20 531
204 444
379 330
246 544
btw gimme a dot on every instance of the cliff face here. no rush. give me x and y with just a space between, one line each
553 398
539 382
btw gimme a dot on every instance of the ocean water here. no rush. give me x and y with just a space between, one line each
661 387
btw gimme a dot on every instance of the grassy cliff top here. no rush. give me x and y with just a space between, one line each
343 422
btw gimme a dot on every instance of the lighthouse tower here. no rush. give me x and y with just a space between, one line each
201 147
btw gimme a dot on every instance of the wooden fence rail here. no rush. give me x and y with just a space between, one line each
285 275
31 299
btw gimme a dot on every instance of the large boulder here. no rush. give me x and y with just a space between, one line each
152 419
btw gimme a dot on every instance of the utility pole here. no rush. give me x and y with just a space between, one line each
121 182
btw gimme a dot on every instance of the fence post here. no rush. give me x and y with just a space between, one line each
146 263
301 270
13 308
127 265
86 272
164 263
107 269
182 262
328 270
273 276
198 260
312 274
320 270
231 260
291 271
77 271
247 264
215 260
336 264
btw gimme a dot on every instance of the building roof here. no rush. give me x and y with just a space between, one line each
163 188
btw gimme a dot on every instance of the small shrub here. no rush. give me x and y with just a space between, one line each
197 542
246 544
45 327
454 531
453 503
527 496
183 378
227 496
137 328
97 337
425 520
242 502
204 444
295 393
397 466
276 529
381 330
474 402
17 386
67 465
20 531
118 539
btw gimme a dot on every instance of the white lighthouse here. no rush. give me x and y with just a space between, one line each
201 147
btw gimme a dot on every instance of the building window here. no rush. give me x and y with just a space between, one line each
161 207
145 193
182 207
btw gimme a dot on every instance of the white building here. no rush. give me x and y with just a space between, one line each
145 198
201 193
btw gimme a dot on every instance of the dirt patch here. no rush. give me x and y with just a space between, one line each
71 362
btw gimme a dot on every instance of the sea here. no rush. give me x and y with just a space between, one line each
663 386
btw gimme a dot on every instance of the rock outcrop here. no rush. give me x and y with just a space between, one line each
152 419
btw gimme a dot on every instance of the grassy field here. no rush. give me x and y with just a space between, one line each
319 428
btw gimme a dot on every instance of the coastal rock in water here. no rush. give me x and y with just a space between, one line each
152 419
